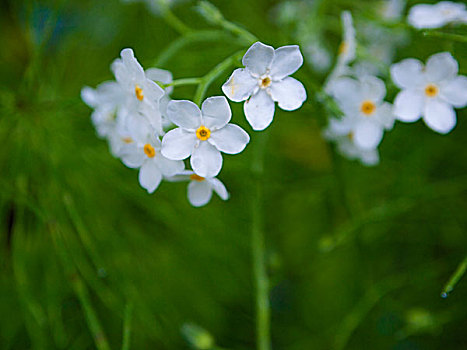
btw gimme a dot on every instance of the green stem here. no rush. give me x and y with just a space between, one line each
456 276
263 336
447 36
127 326
184 81
239 31
172 19
214 74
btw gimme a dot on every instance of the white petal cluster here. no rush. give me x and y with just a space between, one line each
366 117
430 92
425 16
203 134
264 81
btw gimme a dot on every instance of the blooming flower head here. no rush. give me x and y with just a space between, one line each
424 16
200 189
342 132
141 95
265 80
203 134
362 101
430 91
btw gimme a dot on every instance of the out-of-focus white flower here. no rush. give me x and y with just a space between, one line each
203 134
200 188
363 101
145 153
141 95
319 56
265 80
342 131
347 51
165 77
105 100
424 16
430 91
392 9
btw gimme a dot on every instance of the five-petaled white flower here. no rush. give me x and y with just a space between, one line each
431 91
203 134
424 16
200 188
141 94
362 101
145 153
342 131
265 80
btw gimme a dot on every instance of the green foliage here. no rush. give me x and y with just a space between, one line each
357 256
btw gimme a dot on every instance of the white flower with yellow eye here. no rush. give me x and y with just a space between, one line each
430 91
363 101
200 189
342 131
145 154
425 16
265 80
141 95
203 134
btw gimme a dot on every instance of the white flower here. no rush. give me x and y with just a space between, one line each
266 80
342 132
392 9
142 95
363 102
200 188
435 16
145 154
165 77
203 134
430 92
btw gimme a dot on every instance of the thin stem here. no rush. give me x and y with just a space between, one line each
172 19
184 81
447 36
237 30
127 326
263 334
215 73
455 278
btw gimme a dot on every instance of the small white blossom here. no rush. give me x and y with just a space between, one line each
430 91
165 77
200 189
141 95
425 16
342 131
265 80
362 101
203 134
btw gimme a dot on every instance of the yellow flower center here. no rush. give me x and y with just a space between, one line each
431 90
139 93
350 136
127 140
149 150
203 133
368 107
343 47
265 82
196 177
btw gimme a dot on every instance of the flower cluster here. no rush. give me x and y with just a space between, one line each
136 116
425 16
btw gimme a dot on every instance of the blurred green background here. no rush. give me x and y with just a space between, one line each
357 256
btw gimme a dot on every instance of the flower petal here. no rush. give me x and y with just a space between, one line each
373 89
199 193
455 91
231 139
258 58
240 85
368 134
178 144
408 105
132 65
132 156
407 73
439 116
289 93
287 60
184 114
347 92
167 166
206 160
219 188
425 16
216 112
441 66
259 110
149 176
